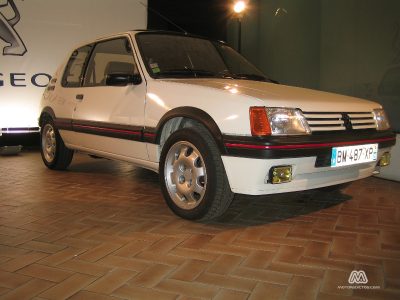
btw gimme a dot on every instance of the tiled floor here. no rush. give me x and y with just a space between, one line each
102 231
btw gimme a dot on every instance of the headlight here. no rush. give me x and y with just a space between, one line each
381 119
287 121
277 121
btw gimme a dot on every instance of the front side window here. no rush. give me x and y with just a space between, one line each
175 56
110 57
74 71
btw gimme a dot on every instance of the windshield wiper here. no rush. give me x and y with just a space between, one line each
249 77
204 73
185 72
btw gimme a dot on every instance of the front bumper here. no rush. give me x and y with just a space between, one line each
250 175
248 161
319 145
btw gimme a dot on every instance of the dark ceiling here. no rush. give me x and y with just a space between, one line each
202 17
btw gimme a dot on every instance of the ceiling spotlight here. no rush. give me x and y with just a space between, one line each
239 7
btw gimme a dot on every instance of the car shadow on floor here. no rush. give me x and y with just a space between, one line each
257 210
245 210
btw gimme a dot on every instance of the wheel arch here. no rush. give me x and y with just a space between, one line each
185 113
47 111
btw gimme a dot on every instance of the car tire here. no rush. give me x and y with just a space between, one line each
192 175
54 153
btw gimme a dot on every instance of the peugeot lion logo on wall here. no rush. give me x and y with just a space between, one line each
7 31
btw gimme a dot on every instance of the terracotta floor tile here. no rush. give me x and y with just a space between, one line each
132 248
98 252
102 231
199 254
392 268
134 292
61 256
84 267
190 270
333 279
289 254
4 290
317 249
197 241
28 290
296 269
227 282
12 280
193 289
161 258
68 287
122 262
86 295
111 281
164 245
303 288
22 261
42 247
268 290
377 294
326 263
151 276
258 259
231 295
45 272
262 275
225 264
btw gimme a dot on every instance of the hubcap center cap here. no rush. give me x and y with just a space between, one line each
185 175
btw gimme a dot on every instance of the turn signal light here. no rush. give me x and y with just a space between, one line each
281 174
259 121
385 160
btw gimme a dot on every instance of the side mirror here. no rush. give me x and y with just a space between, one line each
120 79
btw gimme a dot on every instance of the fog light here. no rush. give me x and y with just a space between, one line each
281 174
385 160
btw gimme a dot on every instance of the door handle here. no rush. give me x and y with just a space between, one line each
79 97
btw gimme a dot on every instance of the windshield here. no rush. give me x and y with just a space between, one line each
175 56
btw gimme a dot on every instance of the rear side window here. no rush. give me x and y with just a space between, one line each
110 57
74 71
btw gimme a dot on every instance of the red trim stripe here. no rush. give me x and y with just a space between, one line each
109 129
302 146
151 135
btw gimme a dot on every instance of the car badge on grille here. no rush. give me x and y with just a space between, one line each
347 121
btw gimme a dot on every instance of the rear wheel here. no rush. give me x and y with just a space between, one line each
54 153
192 175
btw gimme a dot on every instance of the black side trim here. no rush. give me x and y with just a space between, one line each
118 131
150 135
197 115
65 124
322 153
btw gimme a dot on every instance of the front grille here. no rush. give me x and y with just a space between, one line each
337 121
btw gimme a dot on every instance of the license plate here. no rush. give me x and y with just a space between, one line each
351 155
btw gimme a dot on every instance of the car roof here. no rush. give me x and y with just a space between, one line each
144 31
156 31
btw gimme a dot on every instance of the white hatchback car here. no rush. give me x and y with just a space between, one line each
207 120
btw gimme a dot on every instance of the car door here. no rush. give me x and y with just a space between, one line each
109 118
71 82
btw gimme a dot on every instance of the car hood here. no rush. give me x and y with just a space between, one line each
277 95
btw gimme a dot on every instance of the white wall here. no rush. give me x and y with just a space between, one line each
49 30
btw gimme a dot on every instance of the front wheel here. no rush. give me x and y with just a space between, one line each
54 153
192 175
